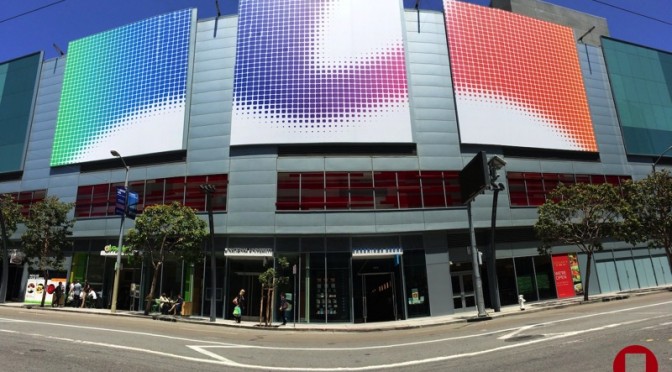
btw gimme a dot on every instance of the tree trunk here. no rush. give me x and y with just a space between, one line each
261 306
149 299
45 273
269 299
5 260
585 290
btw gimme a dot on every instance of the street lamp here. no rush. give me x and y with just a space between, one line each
209 189
494 164
117 270
659 158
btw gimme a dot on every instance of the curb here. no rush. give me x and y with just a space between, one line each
383 326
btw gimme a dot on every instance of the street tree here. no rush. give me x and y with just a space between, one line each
649 217
48 235
583 215
10 216
163 231
270 280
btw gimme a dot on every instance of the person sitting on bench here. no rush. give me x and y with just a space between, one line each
176 309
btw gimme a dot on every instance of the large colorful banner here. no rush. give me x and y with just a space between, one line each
320 72
641 83
18 80
517 80
125 90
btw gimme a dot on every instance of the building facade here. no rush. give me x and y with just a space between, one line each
335 137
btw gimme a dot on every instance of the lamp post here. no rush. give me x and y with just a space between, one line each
117 269
208 189
494 164
653 166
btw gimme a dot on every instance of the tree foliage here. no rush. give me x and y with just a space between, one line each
649 217
47 236
583 215
271 279
167 230
10 216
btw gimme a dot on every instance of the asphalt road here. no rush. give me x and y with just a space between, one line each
577 338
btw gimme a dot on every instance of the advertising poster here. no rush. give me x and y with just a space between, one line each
564 285
576 273
35 289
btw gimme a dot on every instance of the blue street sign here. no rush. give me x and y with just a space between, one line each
132 205
120 206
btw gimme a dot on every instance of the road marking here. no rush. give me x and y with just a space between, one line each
221 360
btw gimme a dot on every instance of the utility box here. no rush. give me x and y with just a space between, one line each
186 308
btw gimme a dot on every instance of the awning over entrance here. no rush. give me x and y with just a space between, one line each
376 253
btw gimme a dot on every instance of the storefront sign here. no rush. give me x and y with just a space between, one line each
564 285
376 252
248 252
111 250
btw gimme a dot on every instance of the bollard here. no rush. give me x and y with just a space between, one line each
521 302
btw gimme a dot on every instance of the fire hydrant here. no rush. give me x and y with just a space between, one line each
521 302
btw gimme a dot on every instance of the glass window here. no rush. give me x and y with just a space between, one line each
525 278
337 287
517 192
453 193
103 199
409 189
597 179
83 201
535 189
221 183
337 190
138 187
545 277
433 192
154 192
361 190
319 300
415 273
386 190
506 281
289 191
312 191
194 196
174 190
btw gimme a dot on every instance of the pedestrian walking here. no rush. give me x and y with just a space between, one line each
239 303
283 308
76 293
58 293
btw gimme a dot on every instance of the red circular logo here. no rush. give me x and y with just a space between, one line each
651 361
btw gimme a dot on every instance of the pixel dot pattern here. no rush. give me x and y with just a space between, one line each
504 62
286 80
130 77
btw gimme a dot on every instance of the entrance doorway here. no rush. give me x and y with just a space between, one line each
379 299
376 293
464 296
244 274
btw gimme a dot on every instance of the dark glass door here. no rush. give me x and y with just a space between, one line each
379 297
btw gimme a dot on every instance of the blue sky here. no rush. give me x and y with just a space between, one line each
62 21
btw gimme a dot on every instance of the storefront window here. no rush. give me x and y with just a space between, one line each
415 273
337 287
545 277
506 281
525 278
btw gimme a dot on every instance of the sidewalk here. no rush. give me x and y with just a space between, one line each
460 317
